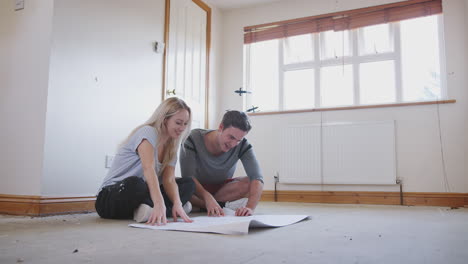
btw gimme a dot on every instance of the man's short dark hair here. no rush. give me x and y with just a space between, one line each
237 119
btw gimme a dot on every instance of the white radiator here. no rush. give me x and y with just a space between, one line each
338 153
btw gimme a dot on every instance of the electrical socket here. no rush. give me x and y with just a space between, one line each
109 160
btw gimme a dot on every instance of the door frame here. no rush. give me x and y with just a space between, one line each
207 9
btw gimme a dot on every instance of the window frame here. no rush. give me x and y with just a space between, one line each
354 60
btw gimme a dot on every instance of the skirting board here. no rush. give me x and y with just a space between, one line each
384 198
43 206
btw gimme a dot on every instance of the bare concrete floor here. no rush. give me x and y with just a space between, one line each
336 234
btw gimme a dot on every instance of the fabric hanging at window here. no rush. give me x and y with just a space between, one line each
344 20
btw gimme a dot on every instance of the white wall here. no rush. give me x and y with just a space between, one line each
24 65
418 148
76 77
105 79
466 87
216 60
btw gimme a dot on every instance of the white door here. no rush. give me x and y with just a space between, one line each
186 59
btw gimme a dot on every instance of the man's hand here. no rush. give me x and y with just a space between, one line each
213 207
244 211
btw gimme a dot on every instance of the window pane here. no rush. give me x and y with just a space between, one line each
420 59
298 49
299 89
264 75
375 39
336 85
335 44
377 82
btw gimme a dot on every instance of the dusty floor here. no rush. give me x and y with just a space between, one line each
336 234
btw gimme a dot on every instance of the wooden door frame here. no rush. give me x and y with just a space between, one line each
207 9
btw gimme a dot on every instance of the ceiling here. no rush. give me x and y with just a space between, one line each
233 4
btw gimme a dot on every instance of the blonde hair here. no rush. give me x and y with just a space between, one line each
165 110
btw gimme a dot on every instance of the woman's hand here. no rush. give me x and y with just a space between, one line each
213 207
158 216
177 210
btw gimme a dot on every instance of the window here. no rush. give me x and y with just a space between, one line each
336 85
394 62
297 92
421 63
263 73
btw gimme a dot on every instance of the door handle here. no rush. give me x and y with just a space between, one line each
169 92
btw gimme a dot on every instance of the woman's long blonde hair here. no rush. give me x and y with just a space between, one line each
165 110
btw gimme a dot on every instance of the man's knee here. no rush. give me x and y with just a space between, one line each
244 186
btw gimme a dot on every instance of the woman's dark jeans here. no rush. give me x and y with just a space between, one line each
118 201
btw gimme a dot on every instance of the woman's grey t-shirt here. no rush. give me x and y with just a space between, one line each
127 162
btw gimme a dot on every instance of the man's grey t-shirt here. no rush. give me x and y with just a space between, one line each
127 162
197 162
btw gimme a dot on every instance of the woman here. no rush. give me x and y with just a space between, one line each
143 161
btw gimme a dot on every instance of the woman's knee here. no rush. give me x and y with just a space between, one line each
134 184
185 180
186 186
103 203
188 182
133 181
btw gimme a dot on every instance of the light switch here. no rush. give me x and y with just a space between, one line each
19 4
159 47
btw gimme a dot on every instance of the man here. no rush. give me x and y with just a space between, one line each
210 158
